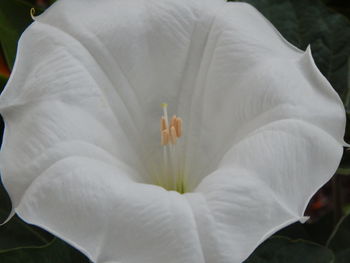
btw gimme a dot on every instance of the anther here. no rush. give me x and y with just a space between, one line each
163 124
173 136
165 137
172 130
178 127
173 121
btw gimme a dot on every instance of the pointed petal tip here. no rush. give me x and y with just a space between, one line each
12 213
307 55
303 219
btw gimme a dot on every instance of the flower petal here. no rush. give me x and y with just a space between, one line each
262 184
98 209
253 105
250 76
53 108
266 126
76 111
142 48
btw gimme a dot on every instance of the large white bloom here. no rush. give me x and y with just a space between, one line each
262 129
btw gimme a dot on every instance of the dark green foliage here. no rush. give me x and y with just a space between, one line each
295 250
339 241
14 18
317 232
340 238
343 256
55 251
3 81
284 250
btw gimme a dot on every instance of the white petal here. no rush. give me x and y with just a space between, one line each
244 94
53 108
249 77
143 48
73 74
119 54
78 102
263 184
99 210
266 108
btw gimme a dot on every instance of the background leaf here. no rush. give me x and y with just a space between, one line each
56 251
283 250
317 232
340 238
14 18
343 256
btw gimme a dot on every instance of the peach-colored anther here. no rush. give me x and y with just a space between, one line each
178 127
173 121
163 124
165 137
173 136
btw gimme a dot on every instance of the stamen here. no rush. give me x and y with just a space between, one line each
173 136
165 113
173 121
165 137
165 164
170 132
163 124
178 127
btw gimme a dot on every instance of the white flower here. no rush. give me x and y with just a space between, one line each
81 157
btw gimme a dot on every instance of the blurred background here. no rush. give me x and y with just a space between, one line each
325 237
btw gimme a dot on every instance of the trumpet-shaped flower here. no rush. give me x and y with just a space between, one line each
250 129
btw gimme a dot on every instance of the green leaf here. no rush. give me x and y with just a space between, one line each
318 231
341 6
284 250
346 209
14 18
54 252
5 203
294 231
3 81
340 238
343 256
304 22
16 233
339 241
344 167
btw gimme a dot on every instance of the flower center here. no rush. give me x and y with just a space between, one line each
170 131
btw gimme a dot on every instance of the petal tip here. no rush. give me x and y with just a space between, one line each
303 219
9 217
